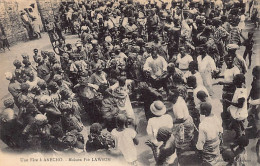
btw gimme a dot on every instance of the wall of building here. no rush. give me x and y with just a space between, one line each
11 22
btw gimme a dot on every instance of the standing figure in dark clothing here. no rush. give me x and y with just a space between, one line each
249 43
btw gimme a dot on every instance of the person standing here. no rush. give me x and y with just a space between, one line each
208 142
207 68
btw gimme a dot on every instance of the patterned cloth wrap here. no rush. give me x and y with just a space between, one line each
211 151
183 133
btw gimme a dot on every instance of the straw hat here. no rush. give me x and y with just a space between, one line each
158 108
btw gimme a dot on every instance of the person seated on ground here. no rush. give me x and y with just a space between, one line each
69 120
165 154
42 87
38 133
159 119
10 129
98 140
27 68
56 136
210 129
18 71
74 142
33 80
125 139
238 106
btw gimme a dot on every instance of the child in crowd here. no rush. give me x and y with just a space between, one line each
98 140
125 139
249 43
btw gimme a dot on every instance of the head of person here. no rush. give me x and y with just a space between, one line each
25 87
158 108
26 62
31 76
95 57
121 120
232 48
17 64
202 96
192 82
193 66
173 96
250 35
41 119
42 84
242 141
154 52
35 51
53 87
56 131
229 61
99 69
239 80
171 68
95 129
256 72
205 108
9 103
58 79
122 81
163 134
182 50
10 76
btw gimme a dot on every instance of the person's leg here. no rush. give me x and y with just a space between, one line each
250 57
245 54
257 150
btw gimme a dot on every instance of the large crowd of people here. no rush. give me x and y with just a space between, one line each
152 54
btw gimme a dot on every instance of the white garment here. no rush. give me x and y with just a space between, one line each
184 61
242 23
33 83
239 113
124 142
180 109
209 129
155 123
207 63
229 74
199 80
195 91
155 66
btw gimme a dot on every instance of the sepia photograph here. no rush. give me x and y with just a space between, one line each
129 82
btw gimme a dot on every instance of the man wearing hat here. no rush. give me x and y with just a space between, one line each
238 60
160 119
210 130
